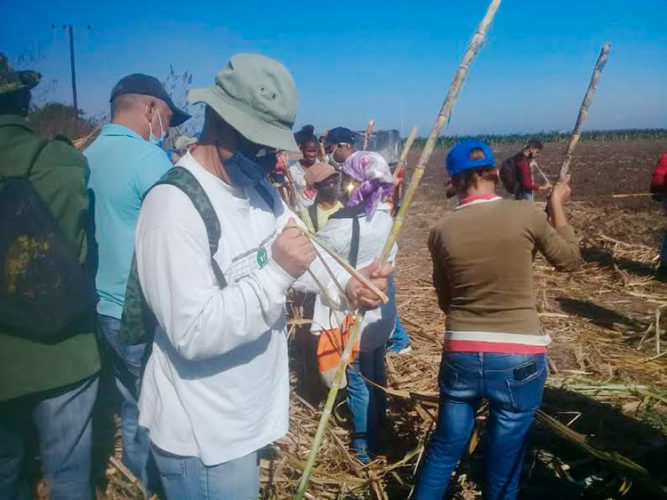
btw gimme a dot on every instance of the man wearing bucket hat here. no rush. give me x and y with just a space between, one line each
495 348
125 160
51 385
214 266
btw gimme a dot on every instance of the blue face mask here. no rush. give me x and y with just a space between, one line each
247 171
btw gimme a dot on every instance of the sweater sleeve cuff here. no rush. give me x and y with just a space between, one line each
274 276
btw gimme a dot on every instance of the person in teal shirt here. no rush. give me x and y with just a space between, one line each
125 160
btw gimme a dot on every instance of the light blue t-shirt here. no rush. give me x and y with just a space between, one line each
123 166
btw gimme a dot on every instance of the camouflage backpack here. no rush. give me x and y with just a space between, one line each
46 294
138 322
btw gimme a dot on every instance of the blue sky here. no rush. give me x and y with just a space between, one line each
392 60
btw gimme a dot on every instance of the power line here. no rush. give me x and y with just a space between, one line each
73 68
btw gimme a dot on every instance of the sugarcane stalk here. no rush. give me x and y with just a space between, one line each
617 461
534 164
583 111
404 154
342 262
369 131
443 116
631 195
323 153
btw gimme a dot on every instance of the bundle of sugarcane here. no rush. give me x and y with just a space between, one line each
369 132
82 142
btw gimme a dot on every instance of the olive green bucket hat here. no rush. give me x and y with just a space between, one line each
256 95
11 80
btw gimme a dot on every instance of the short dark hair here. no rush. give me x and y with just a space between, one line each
534 143
124 102
15 103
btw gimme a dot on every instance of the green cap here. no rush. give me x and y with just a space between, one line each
256 95
11 80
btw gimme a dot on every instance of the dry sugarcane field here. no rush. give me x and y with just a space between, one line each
602 428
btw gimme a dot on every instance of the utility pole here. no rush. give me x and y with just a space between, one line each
71 58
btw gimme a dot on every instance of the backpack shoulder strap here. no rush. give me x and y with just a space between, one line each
312 213
42 144
138 322
353 256
183 179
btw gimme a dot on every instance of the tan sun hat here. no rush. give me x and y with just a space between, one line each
318 172
256 95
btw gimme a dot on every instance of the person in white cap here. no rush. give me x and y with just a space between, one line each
216 386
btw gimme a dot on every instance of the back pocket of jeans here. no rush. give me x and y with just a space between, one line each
526 394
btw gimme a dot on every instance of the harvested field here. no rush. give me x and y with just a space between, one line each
607 383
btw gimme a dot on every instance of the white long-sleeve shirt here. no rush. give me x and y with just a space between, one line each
216 384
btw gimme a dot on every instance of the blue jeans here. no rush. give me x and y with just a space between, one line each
368 404
187 478
63 419
513 385
399 339
524 194
126 362
663 249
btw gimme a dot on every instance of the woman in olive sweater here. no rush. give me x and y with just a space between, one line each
495 348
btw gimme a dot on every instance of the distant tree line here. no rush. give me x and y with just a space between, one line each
56 119
556 136
53 118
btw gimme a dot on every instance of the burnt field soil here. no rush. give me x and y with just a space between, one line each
601 320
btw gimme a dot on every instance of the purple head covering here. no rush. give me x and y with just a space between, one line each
376 180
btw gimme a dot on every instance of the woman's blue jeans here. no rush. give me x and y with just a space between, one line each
513 384
368 404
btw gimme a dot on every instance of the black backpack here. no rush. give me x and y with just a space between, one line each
138 322
44 290
509 175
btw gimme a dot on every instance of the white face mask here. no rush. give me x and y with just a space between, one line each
157 141
331 159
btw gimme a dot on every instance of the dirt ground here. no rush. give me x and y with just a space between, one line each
606 384
596 317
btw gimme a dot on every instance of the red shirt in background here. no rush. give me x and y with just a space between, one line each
525 175
659 180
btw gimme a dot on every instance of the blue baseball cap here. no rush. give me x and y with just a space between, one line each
467 154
